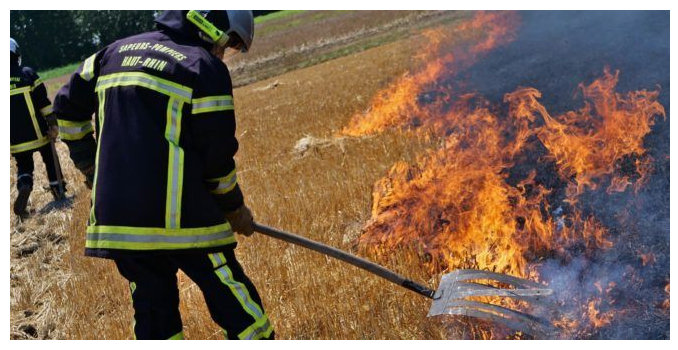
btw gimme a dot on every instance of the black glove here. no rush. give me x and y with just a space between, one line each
53 126
89 176
241 220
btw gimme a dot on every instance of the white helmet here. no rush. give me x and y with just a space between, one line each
229 28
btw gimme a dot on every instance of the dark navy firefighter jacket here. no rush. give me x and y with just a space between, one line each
165 141
29 106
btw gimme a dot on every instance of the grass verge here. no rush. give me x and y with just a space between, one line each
60 71
275 15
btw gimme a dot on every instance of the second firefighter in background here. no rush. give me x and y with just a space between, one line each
32 128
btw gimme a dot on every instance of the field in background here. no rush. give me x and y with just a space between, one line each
324 194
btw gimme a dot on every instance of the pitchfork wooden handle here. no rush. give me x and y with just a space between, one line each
345 257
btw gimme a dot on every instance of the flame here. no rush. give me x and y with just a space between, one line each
598 319
591 143
666 304
647 258
462 205
397 105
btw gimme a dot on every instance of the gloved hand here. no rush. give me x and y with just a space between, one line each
89 176
53 132
53 126
241 220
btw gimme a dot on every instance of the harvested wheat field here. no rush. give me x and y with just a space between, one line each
455 144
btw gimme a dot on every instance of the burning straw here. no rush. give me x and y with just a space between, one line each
472 204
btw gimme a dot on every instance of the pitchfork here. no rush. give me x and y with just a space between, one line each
454 288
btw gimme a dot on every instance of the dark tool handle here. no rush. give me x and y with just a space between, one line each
57 168
346 257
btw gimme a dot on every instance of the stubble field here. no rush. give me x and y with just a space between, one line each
322 191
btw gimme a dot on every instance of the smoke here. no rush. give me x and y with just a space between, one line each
611 287
553 52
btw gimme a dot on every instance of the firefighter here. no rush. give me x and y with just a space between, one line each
165 196
32 127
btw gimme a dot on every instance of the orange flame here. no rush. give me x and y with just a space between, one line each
598 319
647 258
589 144
458 204
397 106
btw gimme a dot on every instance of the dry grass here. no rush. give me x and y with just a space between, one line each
324 195
310 37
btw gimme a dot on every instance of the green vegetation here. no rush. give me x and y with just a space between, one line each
50 39
297 18
275 15
57 72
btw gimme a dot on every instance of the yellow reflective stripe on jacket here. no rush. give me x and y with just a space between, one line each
70 130
20 90
27 146
23 89
212 104
100 115
226 183
88 68
31 111
175 169
163 86
153 238
46 111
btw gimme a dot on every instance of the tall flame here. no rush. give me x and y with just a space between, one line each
397 105
462 205
589 144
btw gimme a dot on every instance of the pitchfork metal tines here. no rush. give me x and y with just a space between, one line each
455 289
457 286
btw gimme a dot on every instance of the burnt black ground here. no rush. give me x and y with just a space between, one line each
553 52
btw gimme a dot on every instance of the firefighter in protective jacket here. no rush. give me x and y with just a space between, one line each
32 126
164 190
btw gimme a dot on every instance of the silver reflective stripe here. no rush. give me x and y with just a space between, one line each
221 102
258 331
175 171
74 130
227 183
173 122
159 238
174 202
239 288
148 80
88 68
216 258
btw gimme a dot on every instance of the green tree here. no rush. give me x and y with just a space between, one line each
48 38
51 39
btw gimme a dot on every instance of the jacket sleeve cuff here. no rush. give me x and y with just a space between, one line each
231 200
83 152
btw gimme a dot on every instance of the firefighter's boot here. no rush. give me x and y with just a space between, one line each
24 186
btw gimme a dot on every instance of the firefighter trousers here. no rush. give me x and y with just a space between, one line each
231 298
25 166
